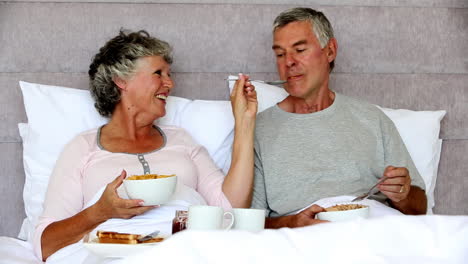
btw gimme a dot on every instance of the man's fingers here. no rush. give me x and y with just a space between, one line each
394 196
395 180
395 172
317 208
394 188
389 168
313 210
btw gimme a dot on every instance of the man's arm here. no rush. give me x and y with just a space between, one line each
404 184
304 218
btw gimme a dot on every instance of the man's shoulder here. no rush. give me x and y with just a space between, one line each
267 117
356 102
266 122
266 114
359 106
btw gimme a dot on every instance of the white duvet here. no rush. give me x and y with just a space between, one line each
386 237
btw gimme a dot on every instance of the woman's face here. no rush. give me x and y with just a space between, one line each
147 90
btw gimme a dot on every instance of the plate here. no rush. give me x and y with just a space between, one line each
109 250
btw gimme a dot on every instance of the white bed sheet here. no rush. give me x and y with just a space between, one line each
16 251
388 239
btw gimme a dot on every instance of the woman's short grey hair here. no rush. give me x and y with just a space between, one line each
320 25
117 58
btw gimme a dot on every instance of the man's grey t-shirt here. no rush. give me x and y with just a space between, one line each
341 150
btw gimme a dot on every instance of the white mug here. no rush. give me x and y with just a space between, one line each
249 219
204 217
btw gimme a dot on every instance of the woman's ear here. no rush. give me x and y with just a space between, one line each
332 49
121 83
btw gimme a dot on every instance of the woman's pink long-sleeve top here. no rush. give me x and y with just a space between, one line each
84 167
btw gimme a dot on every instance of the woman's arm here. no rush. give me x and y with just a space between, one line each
238 183
70 230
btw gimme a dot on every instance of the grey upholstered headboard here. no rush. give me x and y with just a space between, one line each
402 55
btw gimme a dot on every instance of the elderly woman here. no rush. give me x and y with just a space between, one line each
130 80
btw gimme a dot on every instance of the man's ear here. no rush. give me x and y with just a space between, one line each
121 83
332 49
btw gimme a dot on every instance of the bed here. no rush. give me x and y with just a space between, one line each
392 54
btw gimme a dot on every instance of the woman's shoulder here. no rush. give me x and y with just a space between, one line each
85 139
88 135
174 132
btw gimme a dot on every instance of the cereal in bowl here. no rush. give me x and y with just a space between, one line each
344 207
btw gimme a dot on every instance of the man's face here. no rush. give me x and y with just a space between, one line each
301 60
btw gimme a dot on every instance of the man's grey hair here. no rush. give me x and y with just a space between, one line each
321 27
118 58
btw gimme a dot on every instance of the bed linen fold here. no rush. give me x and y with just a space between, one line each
387 239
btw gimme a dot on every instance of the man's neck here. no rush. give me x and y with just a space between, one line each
313 104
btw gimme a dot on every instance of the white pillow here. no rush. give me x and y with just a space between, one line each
418 129
420 133
57 114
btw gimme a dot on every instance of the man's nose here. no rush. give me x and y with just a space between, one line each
290 60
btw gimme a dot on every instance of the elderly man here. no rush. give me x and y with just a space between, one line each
317 143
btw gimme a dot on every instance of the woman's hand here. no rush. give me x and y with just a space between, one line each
110 205
238 183
244 99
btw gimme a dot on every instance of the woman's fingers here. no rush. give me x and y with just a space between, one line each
243 86
238 86
130 203
126 208
131 212
118 180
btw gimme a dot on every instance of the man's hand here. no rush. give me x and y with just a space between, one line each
110 205
397 185
307 217
304 218
402 195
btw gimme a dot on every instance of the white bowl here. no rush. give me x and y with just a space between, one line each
152 191
336 216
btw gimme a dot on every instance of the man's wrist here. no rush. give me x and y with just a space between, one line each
279 222
414 204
